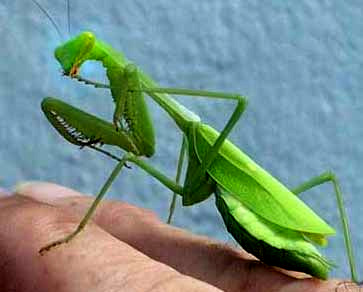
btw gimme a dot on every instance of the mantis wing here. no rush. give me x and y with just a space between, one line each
256 189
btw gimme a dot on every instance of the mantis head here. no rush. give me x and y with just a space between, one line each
74 52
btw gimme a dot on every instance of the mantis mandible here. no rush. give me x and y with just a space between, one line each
266 218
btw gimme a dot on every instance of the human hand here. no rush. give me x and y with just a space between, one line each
125 249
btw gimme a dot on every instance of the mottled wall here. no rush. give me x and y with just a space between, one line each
299 62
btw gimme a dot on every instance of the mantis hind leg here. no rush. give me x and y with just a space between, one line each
330 177
177 178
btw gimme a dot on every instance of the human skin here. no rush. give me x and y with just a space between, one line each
125 248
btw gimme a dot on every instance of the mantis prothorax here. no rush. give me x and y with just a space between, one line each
265 217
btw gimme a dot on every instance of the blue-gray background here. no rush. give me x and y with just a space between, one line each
299 62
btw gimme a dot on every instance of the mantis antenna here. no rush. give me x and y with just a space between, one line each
51 19
69 17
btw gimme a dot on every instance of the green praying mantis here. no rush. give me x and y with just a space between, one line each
266 218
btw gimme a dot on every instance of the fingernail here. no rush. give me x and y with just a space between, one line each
43 191
22 187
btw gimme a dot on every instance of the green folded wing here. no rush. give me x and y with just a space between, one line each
255 188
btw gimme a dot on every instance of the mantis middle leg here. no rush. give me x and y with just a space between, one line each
183 149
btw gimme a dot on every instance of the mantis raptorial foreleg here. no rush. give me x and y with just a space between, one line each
330 177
